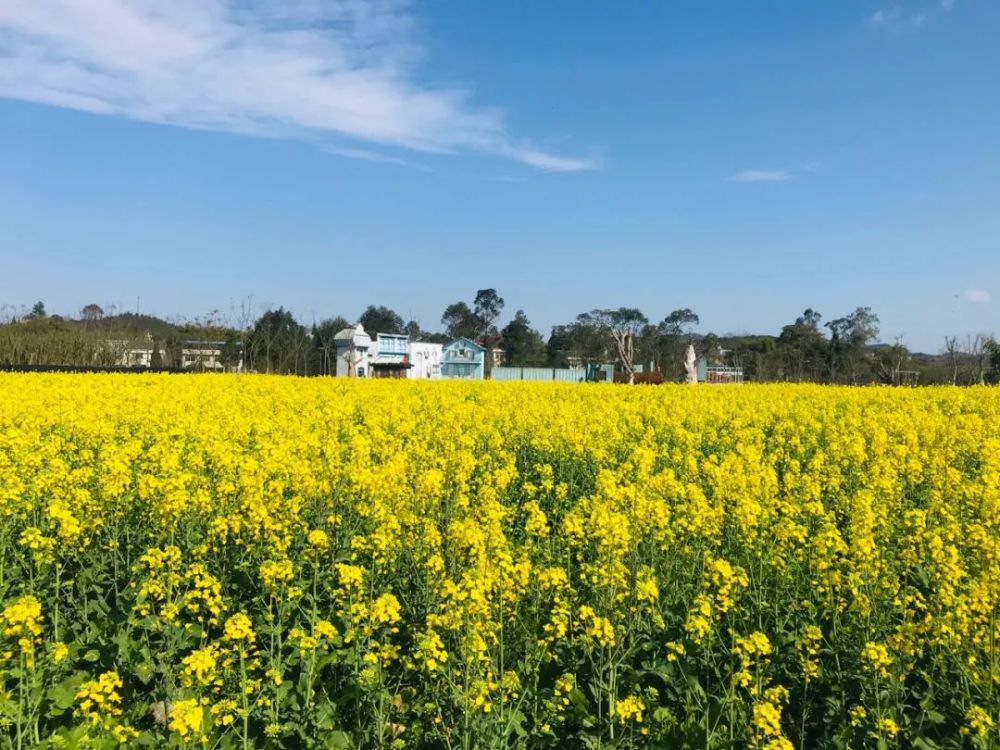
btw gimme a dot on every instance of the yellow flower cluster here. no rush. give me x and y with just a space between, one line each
265 561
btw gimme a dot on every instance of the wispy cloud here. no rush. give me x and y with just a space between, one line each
326 70
376 157
901 17
761 175
977 296
895 18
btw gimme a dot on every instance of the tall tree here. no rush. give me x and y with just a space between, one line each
276 342
849 337
622 326
674 333
92 312
156 357
578 343
801 348
809 319
976 354
487 308
38 310
992 347
412 329
953 356
459 320
678 323
232 350
522 345
380 319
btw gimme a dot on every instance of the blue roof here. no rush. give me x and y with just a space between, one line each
467 342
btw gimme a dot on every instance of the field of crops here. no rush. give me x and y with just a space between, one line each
245 561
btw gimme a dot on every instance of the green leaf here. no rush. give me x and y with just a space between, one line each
338 741
63 695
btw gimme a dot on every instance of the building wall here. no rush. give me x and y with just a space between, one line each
426 361
343 361
391 344
462 359
205 359
462 371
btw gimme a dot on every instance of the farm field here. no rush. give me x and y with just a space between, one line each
252 561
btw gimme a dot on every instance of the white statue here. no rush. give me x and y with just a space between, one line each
689 364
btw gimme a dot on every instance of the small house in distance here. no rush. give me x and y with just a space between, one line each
425 361
718 374
390 358
463 359
352 345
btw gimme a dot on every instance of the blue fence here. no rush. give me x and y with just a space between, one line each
561 374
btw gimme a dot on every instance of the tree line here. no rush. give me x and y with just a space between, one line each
845 349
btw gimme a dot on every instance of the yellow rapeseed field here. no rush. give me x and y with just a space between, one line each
251 561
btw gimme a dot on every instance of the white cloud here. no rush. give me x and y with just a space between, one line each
376 157
977 296
897 19
321 70
885 17
761 175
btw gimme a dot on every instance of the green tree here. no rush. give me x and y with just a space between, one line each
232 350
755 354
38 310
277 343
993 351
849 338
156 358
674 333
459 320
487 308
801 349
380 319
92 312
578 343
522 345
678 323
412 329
710 347
323 334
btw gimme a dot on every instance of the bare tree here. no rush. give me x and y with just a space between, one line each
353 358
243 317
953 355
976 357
623 325
889 361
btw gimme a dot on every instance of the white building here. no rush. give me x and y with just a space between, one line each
194 355
425 359
205 355
353 346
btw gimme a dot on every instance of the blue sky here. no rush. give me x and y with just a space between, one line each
746 160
